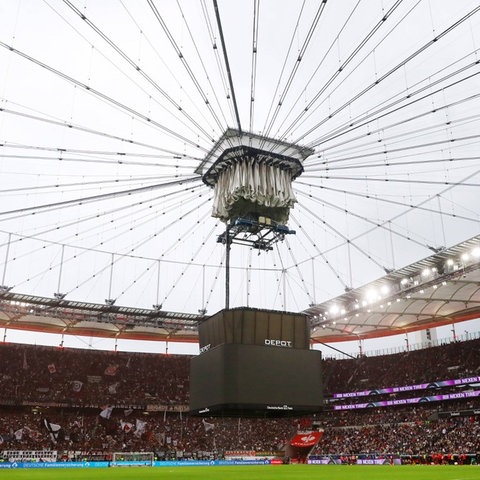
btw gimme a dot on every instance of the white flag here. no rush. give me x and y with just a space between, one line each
208 426
106 412
113 388
140 428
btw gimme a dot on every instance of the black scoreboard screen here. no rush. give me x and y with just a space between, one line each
266 377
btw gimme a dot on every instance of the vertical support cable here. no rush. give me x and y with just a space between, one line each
157 304
111 277
441 222
204 308
313 281
61 269
4 276
391 244
350 276
227 267
249 276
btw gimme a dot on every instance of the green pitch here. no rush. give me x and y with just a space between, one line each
271 472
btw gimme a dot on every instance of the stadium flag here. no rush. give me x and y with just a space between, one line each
113 388
128 411
52 368
139 428
53 429
111 370
19 434
25 363
208 426
77 386
306 439
106 412
126 427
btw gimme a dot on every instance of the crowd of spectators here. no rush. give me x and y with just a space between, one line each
168 434
87 377
453 360
403 432
101 402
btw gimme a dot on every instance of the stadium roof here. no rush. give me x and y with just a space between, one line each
441 289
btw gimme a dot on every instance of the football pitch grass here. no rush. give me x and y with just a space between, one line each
264 472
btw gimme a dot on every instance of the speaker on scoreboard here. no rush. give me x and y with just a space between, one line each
255 363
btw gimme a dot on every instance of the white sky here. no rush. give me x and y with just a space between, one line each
107 104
